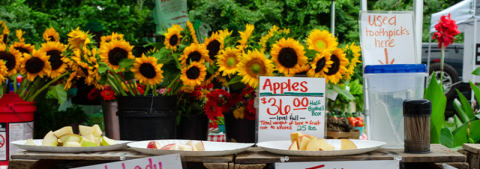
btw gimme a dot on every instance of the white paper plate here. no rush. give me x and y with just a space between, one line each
281 147
38 142
211 148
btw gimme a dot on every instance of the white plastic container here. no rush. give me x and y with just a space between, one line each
385 89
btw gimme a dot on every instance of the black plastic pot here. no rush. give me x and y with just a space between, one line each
239 130
147 117
193 127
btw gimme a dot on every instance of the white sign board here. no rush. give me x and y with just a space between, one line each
171 161
290 104
387 38
379 164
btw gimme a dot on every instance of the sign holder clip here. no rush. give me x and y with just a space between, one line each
284 159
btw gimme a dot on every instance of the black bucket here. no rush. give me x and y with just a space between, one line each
147 117
239 130
230 126
193 127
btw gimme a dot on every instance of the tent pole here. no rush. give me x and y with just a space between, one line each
418 8
332 19
474 52
429 50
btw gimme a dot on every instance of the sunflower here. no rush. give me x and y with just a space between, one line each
225 33
22 47
338 68
173 37
112 52
209 78
320 65
214 45
19 33
77 61
288 55
353 54
3 71
303 70
194 74
188 88
108 38
87 73
194 53
12 58
70 79
51 34
321 40
192 32
228 60
348 74
78 38
55 50
147 71
36 64
244 37
252 65
4 35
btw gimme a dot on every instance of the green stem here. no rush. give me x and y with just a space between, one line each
47 86
22 86
147 90
27 86
170 85
113 86
441 65
14 84
120 81
134 83
33 88
153 91
118 84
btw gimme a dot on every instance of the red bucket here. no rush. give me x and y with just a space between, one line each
14 125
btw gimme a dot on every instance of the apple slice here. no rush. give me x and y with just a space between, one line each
50 140
74 138
293 146
86 143
97 132
184 147
312 145
303 144
106 142
324 146
72 144
294 136
190 143
30 142
97 140
348 145
63 131
300 138
65 137
89 137
154 145
169 147
85 130
199 146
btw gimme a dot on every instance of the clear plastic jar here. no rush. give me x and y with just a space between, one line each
416 115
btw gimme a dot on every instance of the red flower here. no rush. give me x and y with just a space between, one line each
250 112
108 95
92 95
216 103
140 90
446 30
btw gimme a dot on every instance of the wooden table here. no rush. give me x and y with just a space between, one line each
472 151
43 160
257 158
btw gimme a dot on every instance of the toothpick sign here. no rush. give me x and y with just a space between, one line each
386 58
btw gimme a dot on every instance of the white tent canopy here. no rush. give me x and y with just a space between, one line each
461 12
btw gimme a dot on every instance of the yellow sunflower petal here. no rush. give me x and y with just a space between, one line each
252 65
147 71
194 53
288 55
321 40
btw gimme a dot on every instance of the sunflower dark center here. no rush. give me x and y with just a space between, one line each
5 38
194 57
51 38
23 50
301 73
193 73
208 75
173 40
116 54
148 70
213 47
287 57
335 66
85 71
320 65
34 65
55 59
9 58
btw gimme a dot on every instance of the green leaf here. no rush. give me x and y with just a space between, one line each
466 105
124 62
310 53
343 92
102 69
459 109
457 120
476 71
103 79
477 115
435 94
236 79
175 57
1 92
58 92
446 137
128 76
460 136
474 131
476 90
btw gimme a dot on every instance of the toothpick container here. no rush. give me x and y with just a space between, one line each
417 125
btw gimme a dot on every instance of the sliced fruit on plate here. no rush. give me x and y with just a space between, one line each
65 137
89 137
97 132
87 143
324 146
63 131
312 145
347 144
85 130
199 146
293 146
304 143
190 143
50 140
30 142
154 145
294 136
184 147
106 142
72 144
169 147
97 140
74 138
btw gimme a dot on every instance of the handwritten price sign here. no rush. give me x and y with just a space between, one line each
290 104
